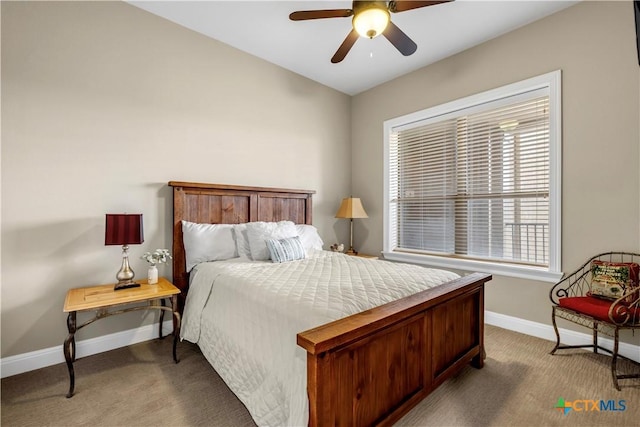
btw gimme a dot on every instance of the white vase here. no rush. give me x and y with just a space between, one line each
152 275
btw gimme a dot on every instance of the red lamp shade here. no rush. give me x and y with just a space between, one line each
123 229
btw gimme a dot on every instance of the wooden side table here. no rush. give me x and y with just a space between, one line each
104 300
363 255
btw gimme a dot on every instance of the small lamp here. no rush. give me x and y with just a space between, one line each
351 207
125 230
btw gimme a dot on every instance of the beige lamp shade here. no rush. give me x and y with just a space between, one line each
351 207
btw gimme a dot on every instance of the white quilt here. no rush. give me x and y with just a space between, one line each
245 317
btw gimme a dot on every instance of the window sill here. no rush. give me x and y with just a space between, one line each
510 270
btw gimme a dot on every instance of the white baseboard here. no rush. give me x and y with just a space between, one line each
568 337
20 363
26 362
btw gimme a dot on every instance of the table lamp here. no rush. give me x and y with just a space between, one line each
351 207
125 230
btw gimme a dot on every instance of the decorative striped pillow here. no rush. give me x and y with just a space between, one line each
283 250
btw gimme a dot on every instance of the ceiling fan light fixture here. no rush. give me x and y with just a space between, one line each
371 22
370 19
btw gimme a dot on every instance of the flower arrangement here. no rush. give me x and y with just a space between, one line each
159 256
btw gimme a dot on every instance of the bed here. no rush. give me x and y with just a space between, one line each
368 368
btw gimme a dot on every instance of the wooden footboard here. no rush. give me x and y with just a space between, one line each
373 367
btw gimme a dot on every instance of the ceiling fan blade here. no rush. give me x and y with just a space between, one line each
345 47
401 6
320 14
399 39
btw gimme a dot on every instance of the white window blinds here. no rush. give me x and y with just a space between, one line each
474 182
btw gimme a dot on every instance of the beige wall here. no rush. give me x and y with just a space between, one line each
102 105
593 43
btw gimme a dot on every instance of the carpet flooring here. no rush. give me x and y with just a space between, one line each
139 385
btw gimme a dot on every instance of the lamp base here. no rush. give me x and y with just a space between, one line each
125 285
351 251
125 275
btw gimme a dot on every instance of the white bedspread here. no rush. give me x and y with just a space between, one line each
245 317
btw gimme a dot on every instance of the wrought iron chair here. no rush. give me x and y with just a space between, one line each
573 301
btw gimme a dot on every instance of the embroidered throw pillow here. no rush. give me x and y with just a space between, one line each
284 250
612 280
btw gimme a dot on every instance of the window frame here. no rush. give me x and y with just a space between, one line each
550 81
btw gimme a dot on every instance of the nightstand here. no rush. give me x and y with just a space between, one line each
361 255
104 300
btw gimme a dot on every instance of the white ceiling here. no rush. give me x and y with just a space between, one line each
262 28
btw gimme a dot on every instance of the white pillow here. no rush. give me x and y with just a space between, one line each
259 232
207 242
309 237
242 241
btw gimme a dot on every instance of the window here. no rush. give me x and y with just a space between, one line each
475 184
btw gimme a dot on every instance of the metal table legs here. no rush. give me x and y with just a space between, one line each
69 345
70 351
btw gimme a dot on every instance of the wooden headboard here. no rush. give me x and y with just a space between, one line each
230 204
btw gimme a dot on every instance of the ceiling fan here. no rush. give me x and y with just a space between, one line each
370 19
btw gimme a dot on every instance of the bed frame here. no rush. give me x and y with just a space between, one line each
369 368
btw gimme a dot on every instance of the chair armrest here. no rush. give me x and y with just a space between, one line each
625 311
573 285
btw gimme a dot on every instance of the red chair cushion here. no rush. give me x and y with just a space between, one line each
597 308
